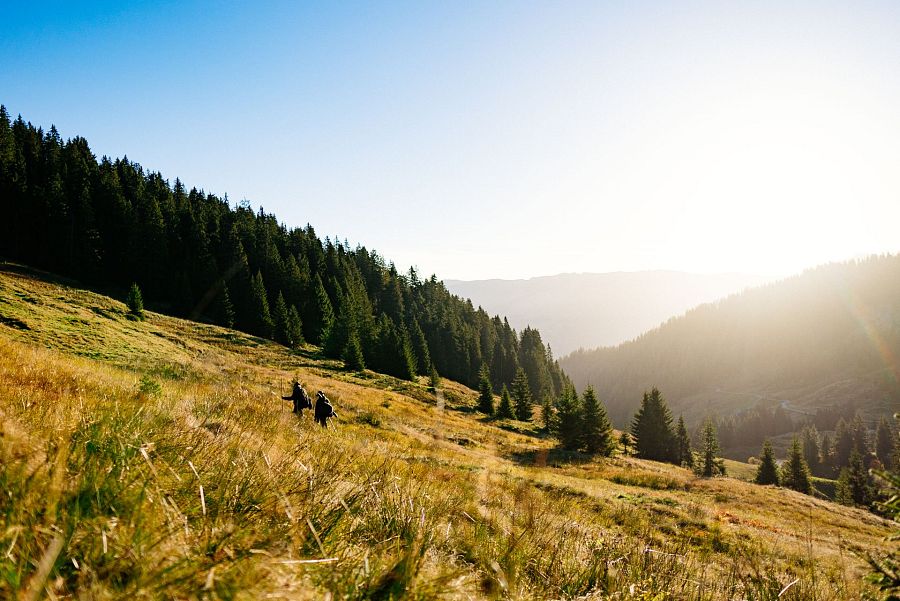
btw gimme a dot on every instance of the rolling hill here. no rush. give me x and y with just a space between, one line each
587 310
153 459
828 337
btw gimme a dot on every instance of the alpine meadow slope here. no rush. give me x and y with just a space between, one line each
154 459
827 338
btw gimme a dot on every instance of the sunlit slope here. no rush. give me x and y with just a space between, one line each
149 459
828 336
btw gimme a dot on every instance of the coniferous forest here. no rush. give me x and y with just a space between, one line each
192 254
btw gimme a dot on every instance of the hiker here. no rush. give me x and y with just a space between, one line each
324 409
300 398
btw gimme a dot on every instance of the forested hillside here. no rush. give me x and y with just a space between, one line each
815 343
109 223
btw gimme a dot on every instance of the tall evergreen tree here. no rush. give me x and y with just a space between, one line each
884 443
684 456
294 327
485 392
809 438
262 323
280 315
548 414
505 409
323 313
223 310
596 430
353 355
854 483
710 466
652 428
795 472
626 441
767 472
522 396
569 415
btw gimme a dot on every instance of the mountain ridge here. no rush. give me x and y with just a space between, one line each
584 310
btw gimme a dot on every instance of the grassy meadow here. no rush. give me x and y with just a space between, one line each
154 459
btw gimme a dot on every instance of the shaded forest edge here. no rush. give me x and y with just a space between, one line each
111 223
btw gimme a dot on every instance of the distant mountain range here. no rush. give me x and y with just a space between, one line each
828 337
587 310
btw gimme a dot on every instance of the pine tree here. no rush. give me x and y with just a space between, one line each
652 428
795 472
854 482
522 395
135 302
710 466
626 441
282 327
485 392
504 409
683 444
767 472
420 349
223 310
569 414
262 324
548 414
324 313
294 327
353 355
884 443
809 438
843 444
596 431
343 326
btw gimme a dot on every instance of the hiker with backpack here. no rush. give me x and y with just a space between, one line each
324 409
300 399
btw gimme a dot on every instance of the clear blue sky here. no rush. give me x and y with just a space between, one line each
498 139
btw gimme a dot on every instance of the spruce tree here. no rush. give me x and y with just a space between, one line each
795 472
596 431
324 313
767 472
135 302
626 441
353 355
856 483
420 349
809 438
261 324
505 409
548 414
683 444
568 419
652 428
522 395
223 310
485 392
710 466
280 315
884 443
295 327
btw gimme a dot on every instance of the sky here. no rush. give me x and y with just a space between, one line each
498 139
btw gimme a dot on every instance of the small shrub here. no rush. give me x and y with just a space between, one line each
149 386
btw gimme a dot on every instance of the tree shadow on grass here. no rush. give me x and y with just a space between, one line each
555 457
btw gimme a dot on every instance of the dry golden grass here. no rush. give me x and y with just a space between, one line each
154 460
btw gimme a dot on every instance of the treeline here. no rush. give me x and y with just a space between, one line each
110 222
827 336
